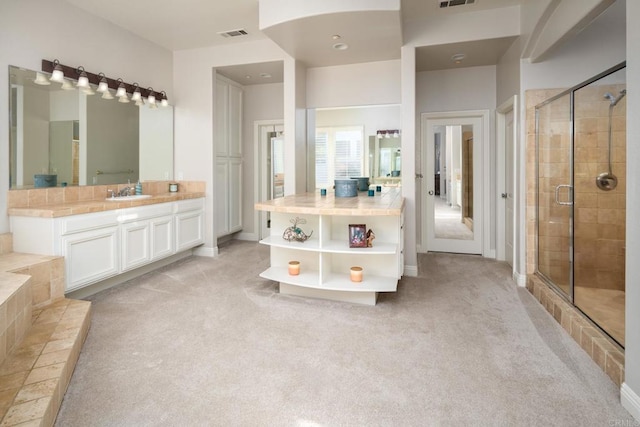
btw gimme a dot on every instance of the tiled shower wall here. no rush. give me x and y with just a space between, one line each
599 243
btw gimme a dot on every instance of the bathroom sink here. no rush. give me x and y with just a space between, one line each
128 198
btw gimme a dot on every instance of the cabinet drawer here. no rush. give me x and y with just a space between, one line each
87 222
189 205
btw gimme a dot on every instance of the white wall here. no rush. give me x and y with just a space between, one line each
508 73
261 102
472 88
156 136
194 77
32 30
372 118
631 387
370 83
598 47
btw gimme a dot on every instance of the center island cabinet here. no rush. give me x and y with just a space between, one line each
326 257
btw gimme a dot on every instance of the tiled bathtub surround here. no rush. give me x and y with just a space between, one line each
15 311
41 334
34 378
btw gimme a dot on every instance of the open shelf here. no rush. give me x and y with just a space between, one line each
335 282
333 246
279 242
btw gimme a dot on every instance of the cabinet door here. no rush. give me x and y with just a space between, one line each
161 237
135 244
222 197
189 229
235 195
90 256
222 118
235 121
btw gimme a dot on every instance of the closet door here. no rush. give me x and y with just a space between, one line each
222 197
235 195
222 118
234 108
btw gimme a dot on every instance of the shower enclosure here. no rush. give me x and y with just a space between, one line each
581 197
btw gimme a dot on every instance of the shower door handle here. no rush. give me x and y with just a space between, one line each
570 188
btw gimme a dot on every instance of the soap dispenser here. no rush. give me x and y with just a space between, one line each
138 188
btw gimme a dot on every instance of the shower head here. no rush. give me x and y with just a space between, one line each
614 100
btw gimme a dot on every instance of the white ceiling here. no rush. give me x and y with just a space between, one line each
188 24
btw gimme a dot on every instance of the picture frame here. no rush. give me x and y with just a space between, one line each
357 236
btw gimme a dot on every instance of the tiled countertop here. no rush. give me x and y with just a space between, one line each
54 210
387 202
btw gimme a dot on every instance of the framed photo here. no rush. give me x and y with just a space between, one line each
357 236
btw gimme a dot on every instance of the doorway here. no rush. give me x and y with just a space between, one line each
453 185
506 128
269 140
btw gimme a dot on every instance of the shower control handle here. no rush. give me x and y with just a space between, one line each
557 192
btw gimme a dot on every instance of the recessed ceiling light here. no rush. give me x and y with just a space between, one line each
247 77
341 46
458 57
336 37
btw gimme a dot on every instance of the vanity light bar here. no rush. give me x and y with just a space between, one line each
72 73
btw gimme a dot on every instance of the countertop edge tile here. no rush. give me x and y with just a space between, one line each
56 210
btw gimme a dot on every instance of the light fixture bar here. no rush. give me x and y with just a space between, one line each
71 73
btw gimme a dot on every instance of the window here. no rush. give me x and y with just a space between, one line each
339 154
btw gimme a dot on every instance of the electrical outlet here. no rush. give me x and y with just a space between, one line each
95 179
166 175
180 176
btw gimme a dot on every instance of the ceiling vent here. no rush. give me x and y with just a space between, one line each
449 3
234 33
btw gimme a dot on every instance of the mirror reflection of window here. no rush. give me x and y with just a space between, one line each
385 161
339 154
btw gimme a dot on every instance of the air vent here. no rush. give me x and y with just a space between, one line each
449 3
234 33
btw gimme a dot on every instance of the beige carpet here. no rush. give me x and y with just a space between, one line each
206 342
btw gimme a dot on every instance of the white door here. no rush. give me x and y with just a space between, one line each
452 184
508 193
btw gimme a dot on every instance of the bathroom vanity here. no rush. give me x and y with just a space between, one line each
110 239
326 258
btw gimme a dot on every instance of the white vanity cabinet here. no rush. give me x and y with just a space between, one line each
147 235
326 258
101 245
94 254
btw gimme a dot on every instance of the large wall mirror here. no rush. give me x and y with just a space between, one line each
61 137
358 141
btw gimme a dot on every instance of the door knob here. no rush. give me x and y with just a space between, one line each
430 192
504 195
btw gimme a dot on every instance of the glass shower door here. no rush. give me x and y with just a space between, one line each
555 192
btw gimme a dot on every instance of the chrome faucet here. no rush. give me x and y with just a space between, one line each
126 191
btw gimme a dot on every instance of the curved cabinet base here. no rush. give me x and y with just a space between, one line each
358 297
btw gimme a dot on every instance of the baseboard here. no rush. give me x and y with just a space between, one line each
630 401
207 251
127 275
250 237
520 279
411 270
491 253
